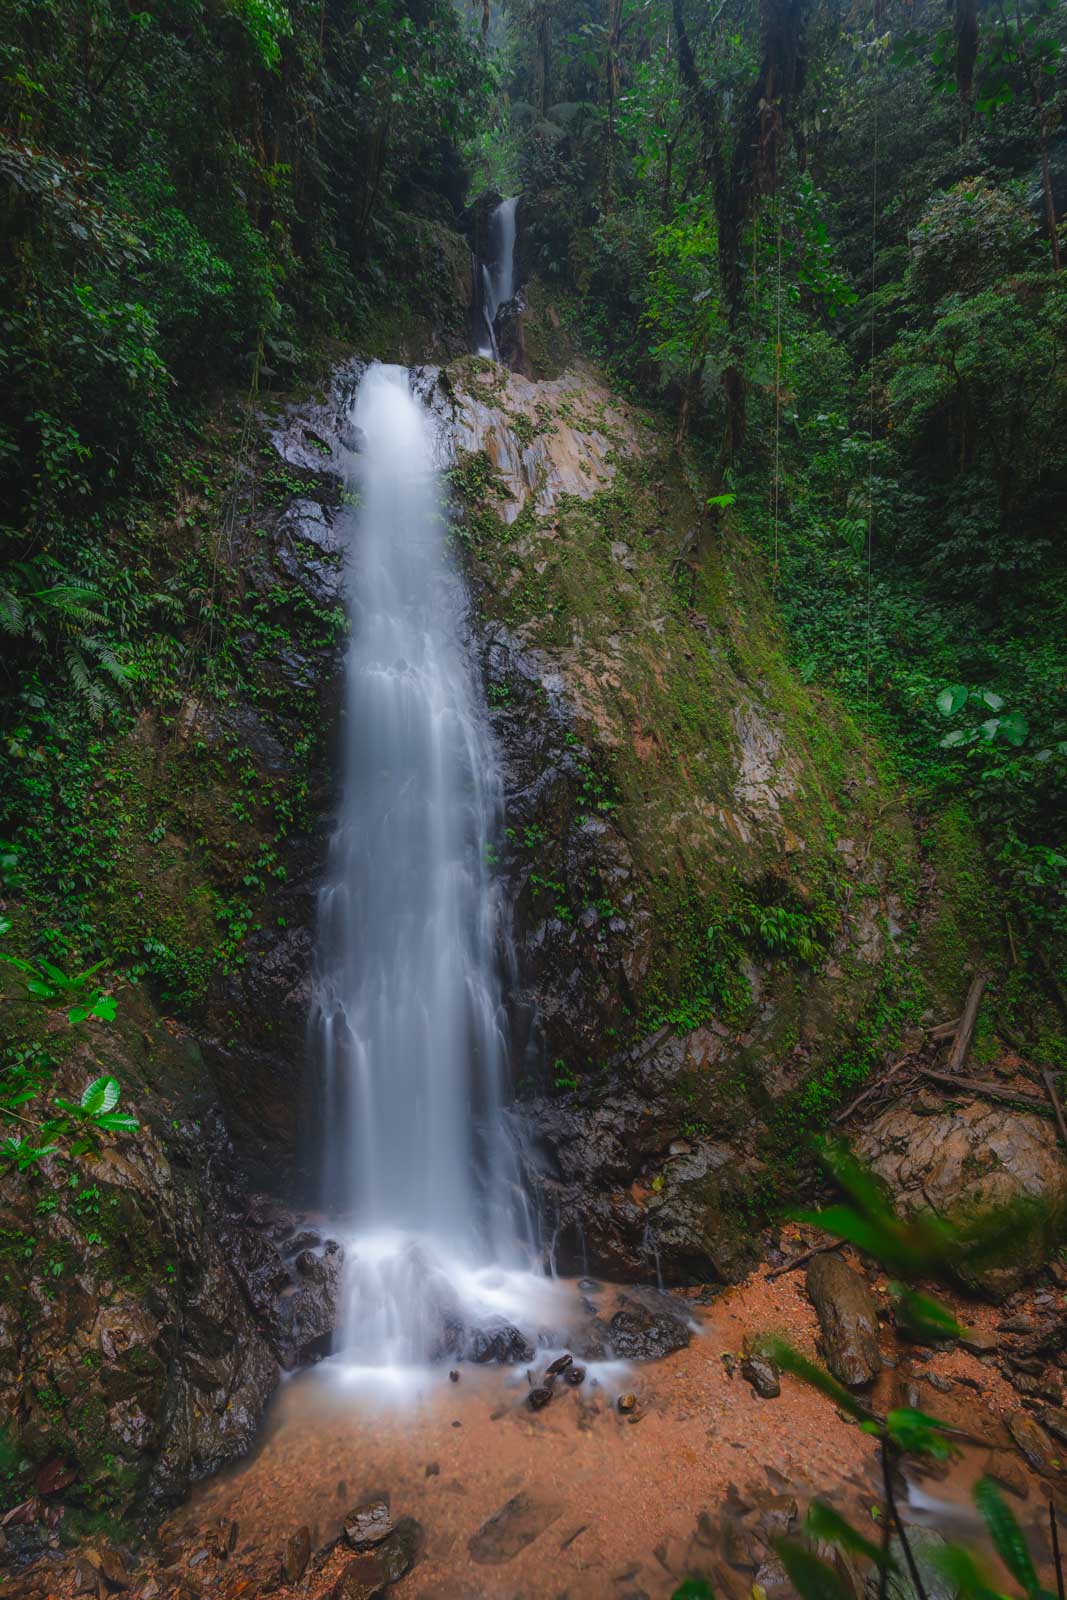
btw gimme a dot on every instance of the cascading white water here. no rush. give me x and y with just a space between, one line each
408 1020
498 279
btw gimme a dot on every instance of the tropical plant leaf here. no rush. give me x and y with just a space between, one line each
100 1096
924 1317
809 1372
952 699
823 1522
917 1433
40 990
117 1122
1007 1536
963 1573
812 1577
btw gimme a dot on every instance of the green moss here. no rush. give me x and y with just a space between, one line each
963 931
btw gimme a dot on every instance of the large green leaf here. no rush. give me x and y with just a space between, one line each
918 1434
100 1096
116 1122
823 1522
1006 1534
963 1573
813 1578
952 699
1015 728
809 1372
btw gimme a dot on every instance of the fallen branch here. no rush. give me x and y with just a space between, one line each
853 1105
961 1045
944 1030
991 1091
805 1255
1054 1101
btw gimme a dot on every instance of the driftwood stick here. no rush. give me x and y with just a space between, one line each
1054 1101
992 1091
958 1054
872 1088
944 1030
805 1255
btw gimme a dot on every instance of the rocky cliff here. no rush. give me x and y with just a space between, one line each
718 907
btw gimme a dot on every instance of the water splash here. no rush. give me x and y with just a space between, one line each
408 1019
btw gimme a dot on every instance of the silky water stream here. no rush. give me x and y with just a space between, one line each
420 1174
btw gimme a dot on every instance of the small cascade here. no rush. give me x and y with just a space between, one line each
408 1021
498 278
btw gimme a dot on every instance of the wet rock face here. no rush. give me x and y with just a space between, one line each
960 1162
132 1356
147 1315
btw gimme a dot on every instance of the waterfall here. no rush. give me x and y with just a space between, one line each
408 1020
498 280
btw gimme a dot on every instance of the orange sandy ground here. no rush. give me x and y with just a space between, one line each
624 1494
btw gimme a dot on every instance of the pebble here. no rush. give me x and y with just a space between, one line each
627 1403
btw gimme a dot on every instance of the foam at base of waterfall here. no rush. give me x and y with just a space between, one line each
412 1301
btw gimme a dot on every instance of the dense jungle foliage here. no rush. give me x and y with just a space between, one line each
826 238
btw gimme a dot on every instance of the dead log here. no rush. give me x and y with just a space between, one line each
944 1030
962 1042
988 1091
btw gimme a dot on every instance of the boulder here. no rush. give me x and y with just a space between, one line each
500 1342
848 1319
368 1524
966 1159
644 1329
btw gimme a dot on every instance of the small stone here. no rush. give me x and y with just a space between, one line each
575 1376
396 1555
979 1341
1017 1325
560 1364
112 1569
627 1403
1034 1443
295 1555
432 1469
362 1579
368 1524
1054 1418
200 1556
538 1398
762 1373
149 1590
